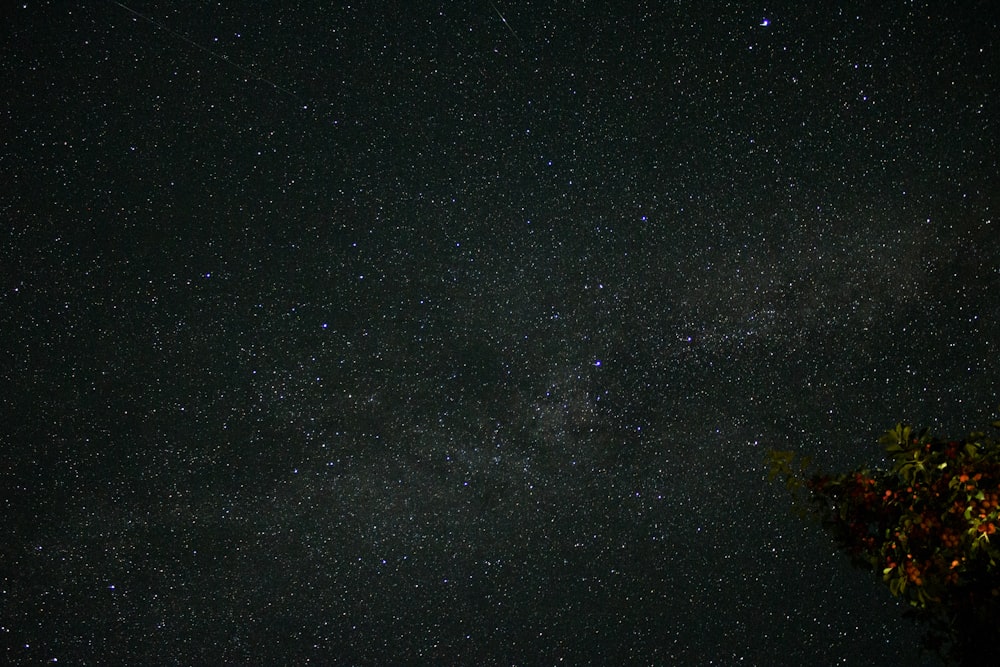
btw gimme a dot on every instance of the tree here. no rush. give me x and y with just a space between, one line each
927 526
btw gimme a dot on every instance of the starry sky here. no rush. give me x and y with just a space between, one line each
457 332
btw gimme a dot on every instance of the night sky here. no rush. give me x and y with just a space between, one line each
413 333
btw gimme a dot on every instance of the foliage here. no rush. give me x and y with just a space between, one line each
928 526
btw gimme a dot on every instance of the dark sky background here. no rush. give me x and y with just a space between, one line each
456 332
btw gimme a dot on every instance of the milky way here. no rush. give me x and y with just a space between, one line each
458 334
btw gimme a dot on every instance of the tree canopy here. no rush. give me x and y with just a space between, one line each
927 527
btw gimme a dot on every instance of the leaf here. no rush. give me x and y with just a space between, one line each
779 463
893 436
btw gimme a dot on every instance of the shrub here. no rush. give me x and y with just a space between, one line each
927 526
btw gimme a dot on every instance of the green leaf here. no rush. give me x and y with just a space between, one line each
779 463
894 436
